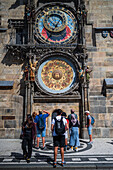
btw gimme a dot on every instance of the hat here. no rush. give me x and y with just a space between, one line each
87 112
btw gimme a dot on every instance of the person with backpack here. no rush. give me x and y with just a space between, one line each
89 124
29 131
74 131
40 121
58 127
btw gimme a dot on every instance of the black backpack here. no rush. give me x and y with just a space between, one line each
41 124
59 126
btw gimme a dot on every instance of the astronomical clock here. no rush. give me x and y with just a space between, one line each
56 25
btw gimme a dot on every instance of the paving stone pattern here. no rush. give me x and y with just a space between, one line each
87 154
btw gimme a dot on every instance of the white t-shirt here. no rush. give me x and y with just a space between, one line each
53 123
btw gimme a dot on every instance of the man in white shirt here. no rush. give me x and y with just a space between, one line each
59 138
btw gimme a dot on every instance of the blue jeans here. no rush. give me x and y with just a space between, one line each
74 136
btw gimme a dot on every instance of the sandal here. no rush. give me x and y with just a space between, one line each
54 164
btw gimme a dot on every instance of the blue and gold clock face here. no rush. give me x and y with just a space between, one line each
56 25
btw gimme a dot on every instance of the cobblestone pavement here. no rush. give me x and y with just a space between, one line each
98 154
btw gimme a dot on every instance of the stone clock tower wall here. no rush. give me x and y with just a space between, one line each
100 52
100 60
11 86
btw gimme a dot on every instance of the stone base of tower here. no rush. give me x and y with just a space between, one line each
84 133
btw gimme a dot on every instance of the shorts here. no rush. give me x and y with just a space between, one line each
41 132
89 130
59 141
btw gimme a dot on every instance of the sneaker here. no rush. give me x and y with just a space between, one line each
37 147
25 156
90 143
28 160
54 164
62 163
76 149
44 148
71 149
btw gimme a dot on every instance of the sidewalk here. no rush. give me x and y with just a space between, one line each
96 156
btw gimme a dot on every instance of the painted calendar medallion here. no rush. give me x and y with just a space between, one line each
56 75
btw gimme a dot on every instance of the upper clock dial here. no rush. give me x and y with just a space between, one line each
56 25
54 21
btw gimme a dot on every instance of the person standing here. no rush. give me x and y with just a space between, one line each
66 133
34 114
29 131
89 126
40 121
58 127
74 130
